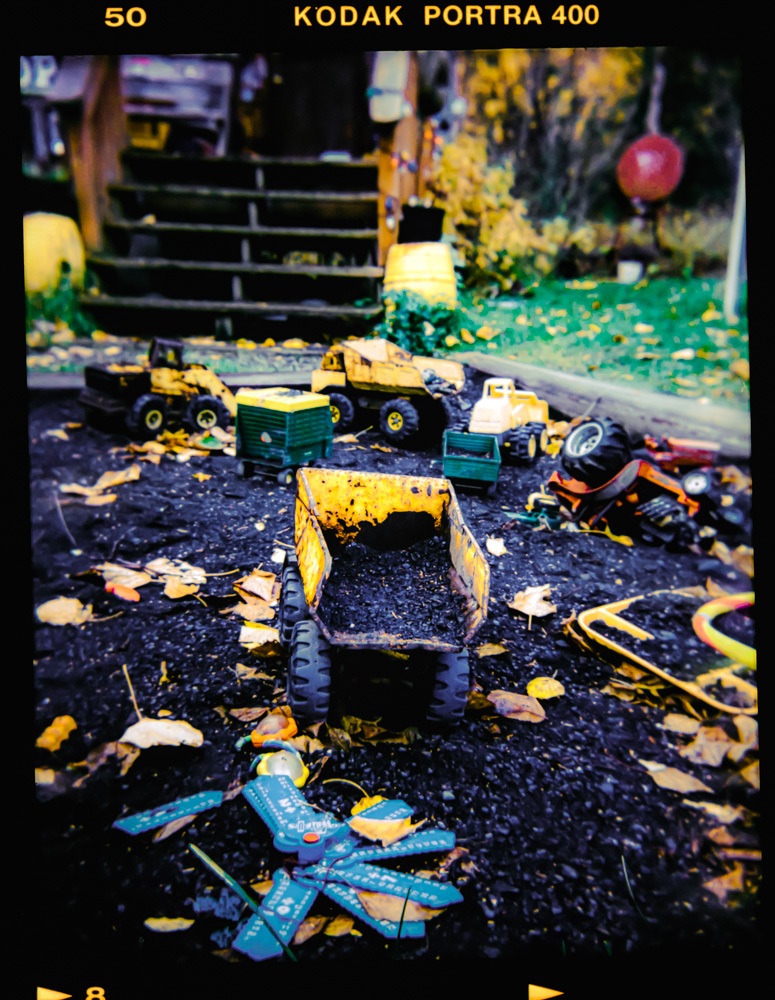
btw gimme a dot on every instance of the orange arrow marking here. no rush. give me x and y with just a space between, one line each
44 994
541 993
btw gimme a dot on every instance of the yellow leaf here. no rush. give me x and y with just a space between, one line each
751 774
545 687
338 926
386 831
167 732
64 611
369 800
174 588
117 478
384 907
723 813
490 649
724 884
201 476
678 781
167 924
101 500
533 601
119 590
517 706
496 546
55 734
176 567
247 714
262 888
643 328
685 354
259 582
742 559
709 747
112 572
308 928
678 723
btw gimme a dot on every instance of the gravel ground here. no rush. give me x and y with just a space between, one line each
578 871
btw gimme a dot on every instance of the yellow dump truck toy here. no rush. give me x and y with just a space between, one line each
382 563
517 418
162 392
410 392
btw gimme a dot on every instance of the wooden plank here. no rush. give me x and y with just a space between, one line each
245 194
92 303
317 270
640 411
187 227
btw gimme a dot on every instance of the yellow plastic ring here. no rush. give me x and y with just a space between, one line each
701 622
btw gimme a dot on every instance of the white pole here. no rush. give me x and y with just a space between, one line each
735 258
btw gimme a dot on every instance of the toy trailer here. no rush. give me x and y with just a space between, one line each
281 429
389 518
471 459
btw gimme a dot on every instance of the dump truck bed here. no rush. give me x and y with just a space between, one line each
471 458
387 514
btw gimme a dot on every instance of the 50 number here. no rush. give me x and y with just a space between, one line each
115 17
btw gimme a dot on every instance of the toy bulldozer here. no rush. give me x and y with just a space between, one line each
337 508
164 391
516 418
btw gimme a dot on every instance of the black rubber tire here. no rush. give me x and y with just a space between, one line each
245 469
398 420
342 411
293 604
286 477
309 673
450 689
696 483
595 450
147 416
542 434
524 445
206 412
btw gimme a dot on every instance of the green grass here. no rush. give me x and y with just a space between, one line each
667 334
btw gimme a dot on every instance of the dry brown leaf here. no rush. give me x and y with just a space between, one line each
748 731
742 559
253 609
260 583
709 747
114 573
723 813
176 567
248 714
517 706
64 611
751 774
166 732
384 907
308 928
720 835
724 884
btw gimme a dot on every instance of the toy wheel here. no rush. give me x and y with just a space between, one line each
524 445
696 482
285 477
450 689
204 412
542 432
398 419
244 469
293 603
342 411
148 416
595 450
309 673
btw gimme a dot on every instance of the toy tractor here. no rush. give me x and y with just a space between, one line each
516 418
163 392
409 392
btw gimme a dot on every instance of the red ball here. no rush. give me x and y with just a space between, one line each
650 168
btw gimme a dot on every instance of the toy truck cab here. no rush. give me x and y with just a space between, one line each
516 417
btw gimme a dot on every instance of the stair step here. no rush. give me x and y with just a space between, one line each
313 270
93 302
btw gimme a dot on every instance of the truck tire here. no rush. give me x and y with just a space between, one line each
147 416
204 412
309 673
286 476
293 604
450 689
342 411
542 433
524 445
595 450
398 420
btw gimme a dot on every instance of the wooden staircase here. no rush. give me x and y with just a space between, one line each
239 247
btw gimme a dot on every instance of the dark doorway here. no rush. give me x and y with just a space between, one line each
317 103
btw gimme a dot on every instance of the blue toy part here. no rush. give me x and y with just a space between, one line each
285 906
297 828
372 878
347 898
389 809
424 842
161 815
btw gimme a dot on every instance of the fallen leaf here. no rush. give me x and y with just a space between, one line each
247 714
751 774
724 884
678 723
119 590
337 926
742 559
533 602
490 649
167 732
167 924
685 354
252 611
101 500
517 706
176 567
262 888
261 639
308 928
748 732
384 907
496 546
169 828
386 831
113 573
709 747
201 476
54 735
64 611
259 582
175 588
723 813
544 687
678 781
741 368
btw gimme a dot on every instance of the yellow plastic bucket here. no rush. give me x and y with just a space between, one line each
49 241
423 268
